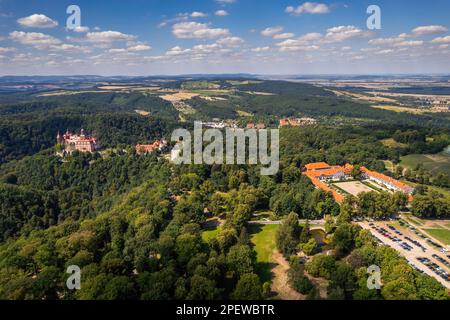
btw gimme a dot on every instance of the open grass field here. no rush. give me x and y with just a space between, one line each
400 109
210 233
263 238
442 235
445 192
200 85
389 165
436 163
180 96
242 82
363 97
438 229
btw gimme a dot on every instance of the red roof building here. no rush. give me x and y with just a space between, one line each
319 172
150 148
297 122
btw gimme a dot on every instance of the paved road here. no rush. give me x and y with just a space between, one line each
416 252
301 221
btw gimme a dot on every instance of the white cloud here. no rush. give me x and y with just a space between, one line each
108 36
271 31
195 30
205 48
426 30
357 58
230 41
221 13
139 47
176 51
37 21
313 36
5 50
302 43
33 38
384 51
296 45
117 50
132 48
80 29
283 36
261 49
299 48
198 14
69 48
409 44
386 41
441 40
308 8
225 1
342 33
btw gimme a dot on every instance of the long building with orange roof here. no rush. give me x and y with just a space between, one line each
320 172
388 182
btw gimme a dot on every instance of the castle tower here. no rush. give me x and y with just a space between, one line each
58 138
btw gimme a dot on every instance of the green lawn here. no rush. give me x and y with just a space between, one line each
389 165
263 238
415 221
445 192
210 233
442 235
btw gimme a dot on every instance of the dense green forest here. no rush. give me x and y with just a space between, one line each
30 127
134 223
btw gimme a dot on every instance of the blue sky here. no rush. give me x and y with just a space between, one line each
145 37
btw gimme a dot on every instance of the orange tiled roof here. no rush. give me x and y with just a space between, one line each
394 182
144 148
319 184
317 165
317 169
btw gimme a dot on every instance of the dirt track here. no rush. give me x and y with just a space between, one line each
280 283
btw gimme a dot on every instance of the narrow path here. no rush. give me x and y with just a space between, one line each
280 283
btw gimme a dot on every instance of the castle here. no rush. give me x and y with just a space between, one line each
76 142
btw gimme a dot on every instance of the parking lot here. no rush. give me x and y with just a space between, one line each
423 253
